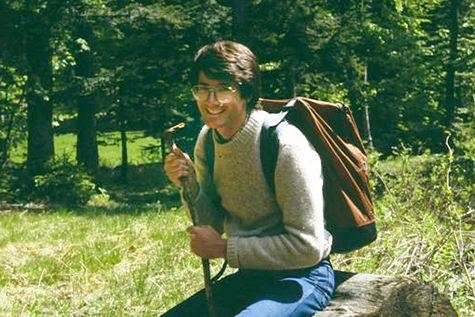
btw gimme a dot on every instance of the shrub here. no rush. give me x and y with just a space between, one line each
64 183
424 207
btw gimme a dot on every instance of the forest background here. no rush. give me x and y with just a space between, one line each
99 73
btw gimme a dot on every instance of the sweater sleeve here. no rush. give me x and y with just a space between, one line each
303 241
206 205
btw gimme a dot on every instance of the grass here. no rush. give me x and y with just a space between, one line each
426 222
94 262
118 260
132 258
110 152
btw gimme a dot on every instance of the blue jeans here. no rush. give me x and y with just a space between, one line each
257 293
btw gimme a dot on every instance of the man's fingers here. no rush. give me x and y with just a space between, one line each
206 242
176 167
176 164
181 157
180 154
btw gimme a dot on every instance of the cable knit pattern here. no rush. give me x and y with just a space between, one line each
265 231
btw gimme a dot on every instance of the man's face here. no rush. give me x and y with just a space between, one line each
227 115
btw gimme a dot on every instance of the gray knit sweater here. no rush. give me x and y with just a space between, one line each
265 230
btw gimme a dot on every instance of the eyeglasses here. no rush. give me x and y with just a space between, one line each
224 93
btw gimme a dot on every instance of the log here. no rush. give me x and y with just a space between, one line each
377 295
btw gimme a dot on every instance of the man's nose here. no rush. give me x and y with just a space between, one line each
211 97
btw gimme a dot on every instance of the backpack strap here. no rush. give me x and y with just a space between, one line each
269 144
209 152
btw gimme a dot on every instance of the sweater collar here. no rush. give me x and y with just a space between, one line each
245 134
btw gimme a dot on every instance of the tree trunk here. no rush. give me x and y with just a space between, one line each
125 160
240 17
87 152
5 142
38 87
451 100
123 139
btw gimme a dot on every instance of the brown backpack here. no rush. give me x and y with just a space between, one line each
332 130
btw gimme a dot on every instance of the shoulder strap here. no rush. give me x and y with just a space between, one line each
269 144
209 151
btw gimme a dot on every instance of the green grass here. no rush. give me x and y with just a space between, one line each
426 222
133 258
125 262
110 152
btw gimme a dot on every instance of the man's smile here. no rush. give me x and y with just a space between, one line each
216 111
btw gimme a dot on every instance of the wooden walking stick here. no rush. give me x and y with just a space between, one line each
168 138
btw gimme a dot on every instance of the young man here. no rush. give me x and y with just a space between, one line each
276 238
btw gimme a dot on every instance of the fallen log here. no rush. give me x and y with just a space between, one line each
371 295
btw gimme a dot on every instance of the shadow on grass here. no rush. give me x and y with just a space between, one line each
144 187
143 184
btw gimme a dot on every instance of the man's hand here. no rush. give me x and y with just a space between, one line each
206 242
178 167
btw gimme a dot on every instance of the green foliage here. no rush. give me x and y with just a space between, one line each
463 166
424 206
130 59
12 112
102 200
64 183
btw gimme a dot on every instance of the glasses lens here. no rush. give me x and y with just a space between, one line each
223 93
200 92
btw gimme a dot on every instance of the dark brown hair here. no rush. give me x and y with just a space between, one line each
231 62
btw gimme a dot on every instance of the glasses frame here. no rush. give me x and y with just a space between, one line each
230 86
